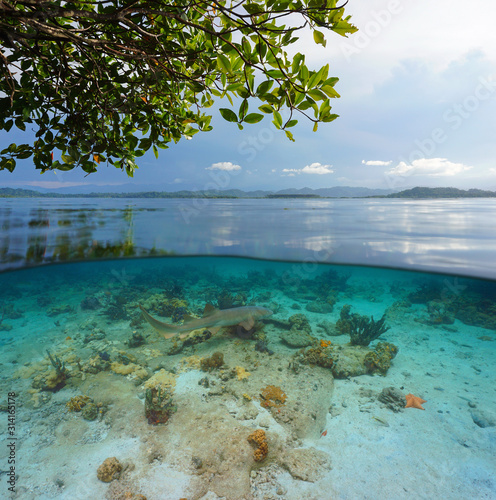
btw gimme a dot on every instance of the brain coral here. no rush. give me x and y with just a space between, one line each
110 469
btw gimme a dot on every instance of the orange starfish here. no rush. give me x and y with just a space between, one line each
414 402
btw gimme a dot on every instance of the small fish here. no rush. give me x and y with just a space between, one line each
381 421
324 434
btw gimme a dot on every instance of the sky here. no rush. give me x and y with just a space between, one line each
417 108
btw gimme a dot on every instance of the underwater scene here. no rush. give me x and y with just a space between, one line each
230 378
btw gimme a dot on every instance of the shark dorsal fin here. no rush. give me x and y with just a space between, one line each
209 310
187 318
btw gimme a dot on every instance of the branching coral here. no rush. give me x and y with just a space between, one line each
362 330
57 364
259 439
158 405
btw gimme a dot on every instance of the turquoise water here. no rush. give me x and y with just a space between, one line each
306 402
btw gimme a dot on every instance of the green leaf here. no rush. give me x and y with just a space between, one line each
20 124
8 164
252 8
329 91
329 118
275 73
243 109
289 135
264 87
277 119
305 105
343 28
316 94
297 60
303 75
331 81
228 115
319 38
253 118
24 155
245 44
67 159
238 64
265 108
155 151
224 63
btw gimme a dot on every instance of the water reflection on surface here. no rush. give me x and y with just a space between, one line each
457 236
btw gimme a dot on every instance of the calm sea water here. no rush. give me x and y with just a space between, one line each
454 236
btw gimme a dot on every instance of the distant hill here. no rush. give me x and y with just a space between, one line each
28 193
425 192
333 192
339 192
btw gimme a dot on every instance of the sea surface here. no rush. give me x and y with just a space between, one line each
453 236
290 349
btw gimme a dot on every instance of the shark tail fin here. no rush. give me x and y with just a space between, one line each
167 330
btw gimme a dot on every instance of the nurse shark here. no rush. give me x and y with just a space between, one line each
212 320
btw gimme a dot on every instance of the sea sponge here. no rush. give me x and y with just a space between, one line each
163 379
241 373
259 439
379 360
90 411
55 381
321 354
122 369
212 362
77 403
110 469
272 397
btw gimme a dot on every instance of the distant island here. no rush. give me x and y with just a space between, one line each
425 192
304 193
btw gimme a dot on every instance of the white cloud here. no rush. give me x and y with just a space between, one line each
177 180
55 184
314 168
432 167
377 163
317 168
224 165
